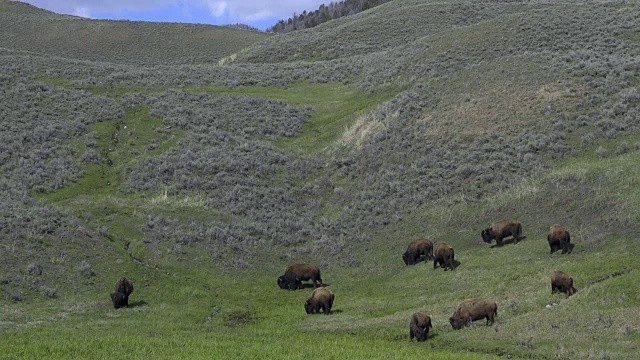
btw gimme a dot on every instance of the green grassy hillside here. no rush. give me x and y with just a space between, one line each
335 146
27 28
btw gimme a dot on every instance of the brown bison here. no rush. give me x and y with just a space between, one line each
559 238
321 299
124 286
296 273
443 255
416 249
472 310
419 326
501 229
119 300
561 281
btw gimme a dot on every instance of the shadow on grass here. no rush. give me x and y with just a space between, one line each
138 303
455 264
310 285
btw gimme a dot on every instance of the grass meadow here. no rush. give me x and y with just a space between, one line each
202 168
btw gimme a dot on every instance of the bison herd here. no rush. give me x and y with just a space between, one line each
442 255
482 308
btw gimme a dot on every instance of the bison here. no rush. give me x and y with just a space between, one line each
559 238
296 273
321 299
419 326
443 255
561 281
124 286
416 249
472 310
119 300
502 229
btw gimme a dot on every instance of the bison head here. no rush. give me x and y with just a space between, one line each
408 258
309 308
487 235
282 282
420 333
289 283
119 300
458 323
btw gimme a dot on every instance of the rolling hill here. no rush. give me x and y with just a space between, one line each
25 27
202 180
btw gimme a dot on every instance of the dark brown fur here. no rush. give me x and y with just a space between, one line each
416 249
119 300
561 281
296 273
124 286
321 299
502 229
559 238
472 310
443 255
419 326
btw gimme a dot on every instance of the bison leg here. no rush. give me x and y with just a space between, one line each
435 262
490 319
326 307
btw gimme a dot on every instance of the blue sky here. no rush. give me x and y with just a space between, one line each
258 13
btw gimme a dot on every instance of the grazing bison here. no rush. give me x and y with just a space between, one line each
500 230
119 300
443 255
561 281
416 249
472 310
559 238
321 299
124 286
419 326
296 273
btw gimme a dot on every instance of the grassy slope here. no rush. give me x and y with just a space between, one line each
371 310
127 42
195 303
198 309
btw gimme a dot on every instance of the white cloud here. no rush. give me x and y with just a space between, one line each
81 11
218 8
241 10
255 10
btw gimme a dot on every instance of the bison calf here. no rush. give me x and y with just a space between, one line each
321 299
419 326
119 300
296 273
561 281
443 255
502 229
472 310
416 249
559 238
